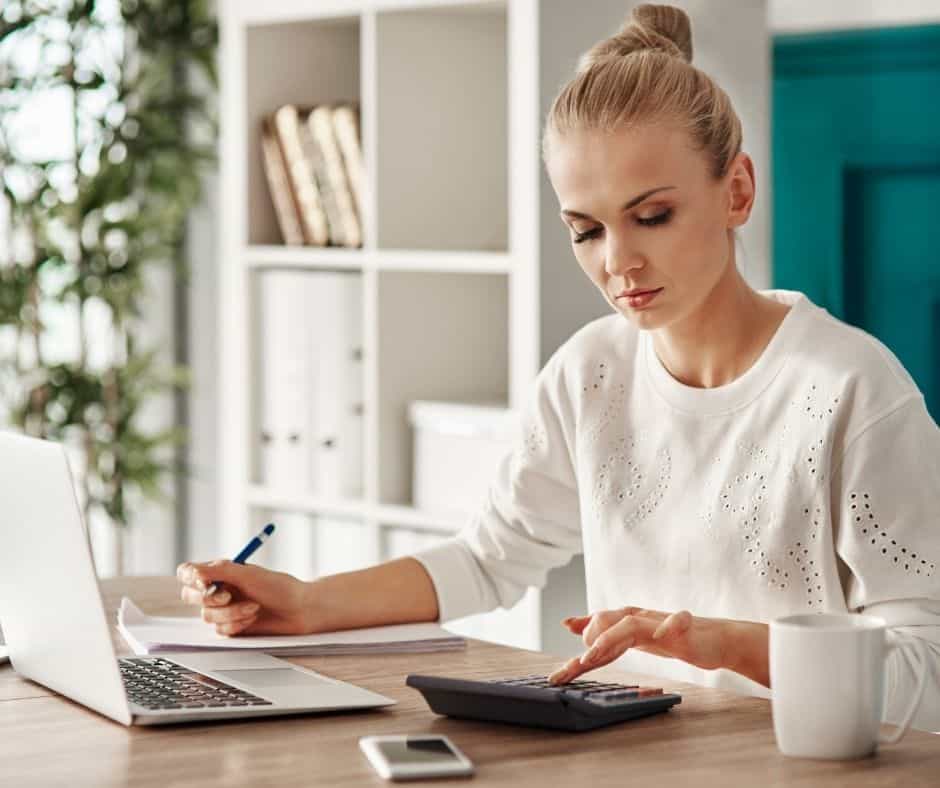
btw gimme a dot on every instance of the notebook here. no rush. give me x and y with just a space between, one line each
147 634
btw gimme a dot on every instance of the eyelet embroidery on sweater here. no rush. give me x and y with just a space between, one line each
814 463
811 407
620 479
755 523
877 536
613 402
534 440
652 501
801 555
743 498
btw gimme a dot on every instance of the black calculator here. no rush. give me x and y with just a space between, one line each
534 701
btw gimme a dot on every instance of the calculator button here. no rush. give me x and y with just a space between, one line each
616 697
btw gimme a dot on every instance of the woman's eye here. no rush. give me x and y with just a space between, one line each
660 218
587 235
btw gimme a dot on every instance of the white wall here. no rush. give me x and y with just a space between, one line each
200 539
807 16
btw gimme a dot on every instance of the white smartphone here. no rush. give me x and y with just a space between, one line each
415 757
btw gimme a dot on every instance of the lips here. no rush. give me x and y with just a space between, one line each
638 299
638 292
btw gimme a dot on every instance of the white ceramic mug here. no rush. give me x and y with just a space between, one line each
827 683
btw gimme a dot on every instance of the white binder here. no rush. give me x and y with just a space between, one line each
285 378
337 382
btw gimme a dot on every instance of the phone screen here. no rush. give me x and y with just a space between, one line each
417 750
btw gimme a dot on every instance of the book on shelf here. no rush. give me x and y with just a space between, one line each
310 413
275 171
321 175
327 161
291 135
348 138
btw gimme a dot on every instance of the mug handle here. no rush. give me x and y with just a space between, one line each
902 727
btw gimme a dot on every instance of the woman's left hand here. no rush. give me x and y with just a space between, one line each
707 643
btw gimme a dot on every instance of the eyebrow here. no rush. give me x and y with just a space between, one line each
627 206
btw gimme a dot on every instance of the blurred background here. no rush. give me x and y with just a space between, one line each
298 261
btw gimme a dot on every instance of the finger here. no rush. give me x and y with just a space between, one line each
576 624
645 612
224 615
612 617
566 672
676 624
602 621
612 643
195 597
221 571
234 627
187 574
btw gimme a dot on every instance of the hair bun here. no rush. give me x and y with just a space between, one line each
662 28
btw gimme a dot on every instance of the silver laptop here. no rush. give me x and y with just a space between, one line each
58 636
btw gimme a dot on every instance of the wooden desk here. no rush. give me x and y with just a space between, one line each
712 739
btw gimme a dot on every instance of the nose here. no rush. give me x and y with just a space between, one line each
620 257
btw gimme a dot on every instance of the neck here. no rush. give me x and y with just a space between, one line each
723 337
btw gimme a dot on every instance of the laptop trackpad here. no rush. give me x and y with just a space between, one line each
272 678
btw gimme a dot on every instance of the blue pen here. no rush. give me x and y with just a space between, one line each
246 552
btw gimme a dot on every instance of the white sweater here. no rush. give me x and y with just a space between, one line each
809 483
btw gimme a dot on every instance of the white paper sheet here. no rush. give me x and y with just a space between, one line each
147 634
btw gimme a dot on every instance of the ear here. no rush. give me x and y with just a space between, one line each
741 187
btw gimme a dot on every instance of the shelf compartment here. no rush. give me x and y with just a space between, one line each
443 261
309 545
387 515
267 497
442 128
438 337
331 258
312 257
408 516
303 63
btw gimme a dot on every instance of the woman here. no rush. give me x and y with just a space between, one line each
739 454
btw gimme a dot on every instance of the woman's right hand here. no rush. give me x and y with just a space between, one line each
251 601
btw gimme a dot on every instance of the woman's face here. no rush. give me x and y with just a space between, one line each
645 214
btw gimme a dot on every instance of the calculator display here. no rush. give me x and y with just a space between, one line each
417 750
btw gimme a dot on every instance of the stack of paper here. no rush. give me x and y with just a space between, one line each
152 634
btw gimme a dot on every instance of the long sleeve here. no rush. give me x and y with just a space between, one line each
886 513
530 522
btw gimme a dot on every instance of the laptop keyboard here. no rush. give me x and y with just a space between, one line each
158 684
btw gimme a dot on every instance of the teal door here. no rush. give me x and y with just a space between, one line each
856 171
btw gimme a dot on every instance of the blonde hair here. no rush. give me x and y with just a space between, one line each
644 74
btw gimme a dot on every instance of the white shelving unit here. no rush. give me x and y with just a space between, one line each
468 280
